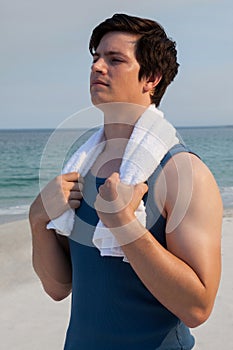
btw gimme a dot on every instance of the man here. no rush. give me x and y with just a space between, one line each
172 275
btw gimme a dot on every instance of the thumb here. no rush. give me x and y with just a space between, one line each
141 189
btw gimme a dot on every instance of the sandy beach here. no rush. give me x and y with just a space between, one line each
31 320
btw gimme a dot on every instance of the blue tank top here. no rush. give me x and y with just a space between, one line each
111 308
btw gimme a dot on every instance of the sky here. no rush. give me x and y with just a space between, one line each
45 62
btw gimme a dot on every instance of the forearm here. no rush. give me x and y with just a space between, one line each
50 260
167 277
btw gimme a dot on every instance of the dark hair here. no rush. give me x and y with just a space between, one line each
155 52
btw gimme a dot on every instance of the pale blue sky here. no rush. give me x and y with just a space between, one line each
45 62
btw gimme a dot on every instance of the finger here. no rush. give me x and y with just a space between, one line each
140 189
74 203
114 177
110 184
75 195
73 177
76 186
108 191
71 186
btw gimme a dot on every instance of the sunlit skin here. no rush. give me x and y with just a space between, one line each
113 79
185 276
114 72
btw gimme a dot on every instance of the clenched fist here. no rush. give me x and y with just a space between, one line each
60 194
116 202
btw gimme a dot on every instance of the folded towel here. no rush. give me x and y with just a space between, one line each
151 139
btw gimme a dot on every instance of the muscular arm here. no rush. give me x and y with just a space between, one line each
51 259
184 277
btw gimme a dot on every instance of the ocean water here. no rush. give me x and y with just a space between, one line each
30 158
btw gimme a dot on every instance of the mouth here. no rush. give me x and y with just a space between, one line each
98 82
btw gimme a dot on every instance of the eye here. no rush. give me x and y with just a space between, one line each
116 60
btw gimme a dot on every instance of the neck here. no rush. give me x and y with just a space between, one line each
120 118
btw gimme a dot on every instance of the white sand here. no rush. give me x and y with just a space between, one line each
30 320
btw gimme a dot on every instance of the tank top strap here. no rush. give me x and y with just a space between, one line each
178 148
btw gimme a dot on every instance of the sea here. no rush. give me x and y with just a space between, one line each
29 158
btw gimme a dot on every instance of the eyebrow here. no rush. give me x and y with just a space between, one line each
111 53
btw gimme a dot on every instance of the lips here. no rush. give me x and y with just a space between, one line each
98 82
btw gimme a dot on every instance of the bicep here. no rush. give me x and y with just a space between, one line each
194 219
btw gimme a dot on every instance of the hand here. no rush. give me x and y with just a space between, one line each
116 202
60 194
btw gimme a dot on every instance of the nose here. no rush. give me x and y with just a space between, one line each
99 65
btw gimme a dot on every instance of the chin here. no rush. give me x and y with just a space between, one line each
97 101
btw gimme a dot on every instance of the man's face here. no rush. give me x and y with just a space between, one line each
114 72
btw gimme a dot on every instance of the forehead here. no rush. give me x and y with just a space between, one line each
118 41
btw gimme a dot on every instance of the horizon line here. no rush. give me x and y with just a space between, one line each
84 128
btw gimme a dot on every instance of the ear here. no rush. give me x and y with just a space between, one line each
152 82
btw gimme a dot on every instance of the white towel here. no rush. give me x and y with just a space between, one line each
151 139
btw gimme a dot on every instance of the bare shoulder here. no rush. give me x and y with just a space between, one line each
188 164
186 184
